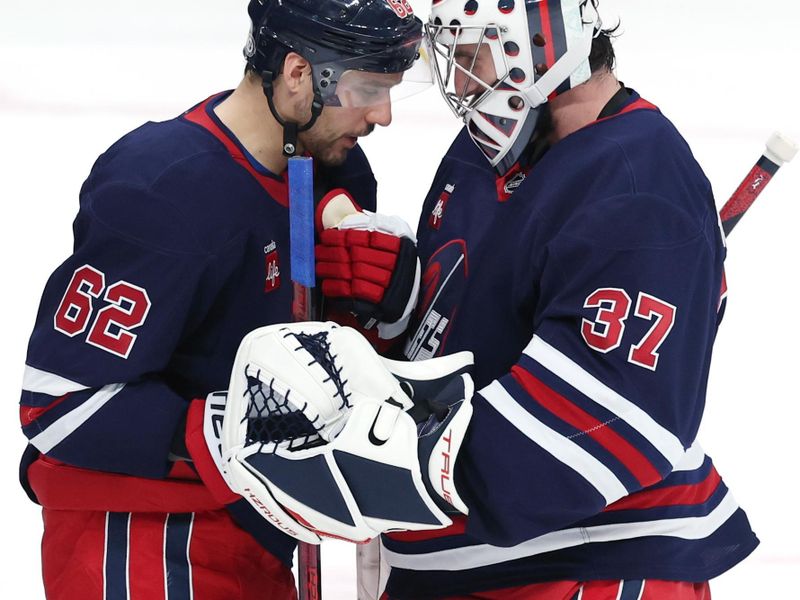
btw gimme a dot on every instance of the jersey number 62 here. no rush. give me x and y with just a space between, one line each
127 308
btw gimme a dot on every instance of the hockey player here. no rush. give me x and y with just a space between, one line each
571 242
181 247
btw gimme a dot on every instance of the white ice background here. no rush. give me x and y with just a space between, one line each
75 76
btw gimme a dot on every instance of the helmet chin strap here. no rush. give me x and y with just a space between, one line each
290 128
565 66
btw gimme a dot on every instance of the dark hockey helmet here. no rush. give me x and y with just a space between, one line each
337 37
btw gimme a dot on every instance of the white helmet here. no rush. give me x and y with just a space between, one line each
540 48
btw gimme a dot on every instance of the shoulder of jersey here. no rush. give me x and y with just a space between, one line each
631 181
464 150
174 186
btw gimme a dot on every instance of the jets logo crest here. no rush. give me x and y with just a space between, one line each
272 280
437 214
443 284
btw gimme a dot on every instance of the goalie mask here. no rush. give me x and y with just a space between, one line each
498 61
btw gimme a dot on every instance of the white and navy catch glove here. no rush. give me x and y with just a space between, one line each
319 430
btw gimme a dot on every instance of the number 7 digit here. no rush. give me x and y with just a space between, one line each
645 353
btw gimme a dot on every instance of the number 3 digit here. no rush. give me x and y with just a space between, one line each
613 306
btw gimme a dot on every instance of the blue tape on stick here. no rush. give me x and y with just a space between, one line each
301 220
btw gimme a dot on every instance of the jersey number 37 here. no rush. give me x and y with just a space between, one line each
613 305
126 308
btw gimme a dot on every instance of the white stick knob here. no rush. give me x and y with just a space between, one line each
780 149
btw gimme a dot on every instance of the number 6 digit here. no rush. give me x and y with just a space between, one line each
75 309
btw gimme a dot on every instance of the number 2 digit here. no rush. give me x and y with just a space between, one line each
128 309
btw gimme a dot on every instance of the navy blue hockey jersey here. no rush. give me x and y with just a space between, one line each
590 297
181 248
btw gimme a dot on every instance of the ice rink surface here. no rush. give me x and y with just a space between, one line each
75 76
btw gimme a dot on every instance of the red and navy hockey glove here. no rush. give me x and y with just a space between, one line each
367 263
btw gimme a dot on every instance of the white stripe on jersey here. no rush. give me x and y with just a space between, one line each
63 427
473 557
189 558
692 460
128 558
572 373
42 382
562 448
164 565
105 554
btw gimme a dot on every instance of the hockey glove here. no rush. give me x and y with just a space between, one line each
367 263
204 425
316 430
442 390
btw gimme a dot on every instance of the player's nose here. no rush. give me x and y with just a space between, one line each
380 114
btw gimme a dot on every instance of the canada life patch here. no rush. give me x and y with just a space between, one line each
401 8
437 214
273 268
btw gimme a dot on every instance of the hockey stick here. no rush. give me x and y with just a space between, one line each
780 150
304 308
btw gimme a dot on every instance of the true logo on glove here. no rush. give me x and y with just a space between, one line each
446 478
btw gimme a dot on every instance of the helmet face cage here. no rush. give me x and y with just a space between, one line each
539 48
445 66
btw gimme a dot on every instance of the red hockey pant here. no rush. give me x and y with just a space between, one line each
157 556
648 589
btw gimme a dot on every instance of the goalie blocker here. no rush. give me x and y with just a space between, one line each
324 437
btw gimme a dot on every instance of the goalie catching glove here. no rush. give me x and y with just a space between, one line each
367 263
324 437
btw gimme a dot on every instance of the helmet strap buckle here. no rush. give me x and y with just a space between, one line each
290 128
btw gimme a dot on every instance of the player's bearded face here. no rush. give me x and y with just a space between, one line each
365 103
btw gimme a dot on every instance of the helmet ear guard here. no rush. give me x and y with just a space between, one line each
539 49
